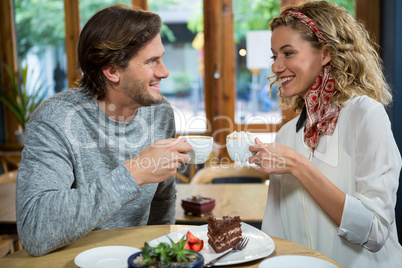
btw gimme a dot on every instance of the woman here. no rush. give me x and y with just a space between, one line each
336 165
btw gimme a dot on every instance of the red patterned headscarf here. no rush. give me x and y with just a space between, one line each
322 115
307 21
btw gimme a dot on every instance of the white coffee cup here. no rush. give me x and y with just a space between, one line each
202 148
238 147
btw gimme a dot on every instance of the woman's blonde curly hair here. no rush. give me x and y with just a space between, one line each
356 65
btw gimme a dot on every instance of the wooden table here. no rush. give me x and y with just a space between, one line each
133 237
10 154
246 200
7 203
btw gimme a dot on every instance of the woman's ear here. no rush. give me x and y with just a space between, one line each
111 73
326 57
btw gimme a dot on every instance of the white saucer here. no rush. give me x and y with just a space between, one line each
105 257
290 261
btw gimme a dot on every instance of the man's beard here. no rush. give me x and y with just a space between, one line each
137 92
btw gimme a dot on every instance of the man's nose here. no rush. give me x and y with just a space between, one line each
162 71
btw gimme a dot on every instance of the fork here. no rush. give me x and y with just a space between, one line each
239 246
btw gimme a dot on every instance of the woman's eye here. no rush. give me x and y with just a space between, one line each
274 57
287 54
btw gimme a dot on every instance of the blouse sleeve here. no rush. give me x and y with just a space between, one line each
369 213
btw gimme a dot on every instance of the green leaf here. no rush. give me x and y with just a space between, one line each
145 252
17 98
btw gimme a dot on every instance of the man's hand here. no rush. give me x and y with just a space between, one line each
159 161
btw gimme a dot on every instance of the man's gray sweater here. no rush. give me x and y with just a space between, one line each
72 177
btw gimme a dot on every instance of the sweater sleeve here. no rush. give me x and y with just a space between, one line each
369 213
52 208
163 206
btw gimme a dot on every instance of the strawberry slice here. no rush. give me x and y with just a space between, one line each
198 246
187 245
192 239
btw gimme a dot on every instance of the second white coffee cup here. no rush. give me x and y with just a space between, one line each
238 148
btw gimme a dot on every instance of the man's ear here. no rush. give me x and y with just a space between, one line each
111 73
326 57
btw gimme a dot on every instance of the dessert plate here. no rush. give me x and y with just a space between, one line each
295 262
105 257
259 246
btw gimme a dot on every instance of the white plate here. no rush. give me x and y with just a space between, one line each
295 262
259 246
105 257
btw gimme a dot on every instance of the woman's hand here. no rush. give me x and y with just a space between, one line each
273 158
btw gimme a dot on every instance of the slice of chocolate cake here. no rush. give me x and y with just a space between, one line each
223 233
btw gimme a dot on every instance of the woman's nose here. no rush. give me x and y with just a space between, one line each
278 66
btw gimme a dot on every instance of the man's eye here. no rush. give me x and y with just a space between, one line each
153 61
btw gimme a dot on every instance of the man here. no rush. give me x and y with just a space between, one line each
103 155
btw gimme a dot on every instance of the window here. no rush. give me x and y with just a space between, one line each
40 34
255 103
89 7
184 58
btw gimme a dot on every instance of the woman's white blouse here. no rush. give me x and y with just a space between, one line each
362 159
